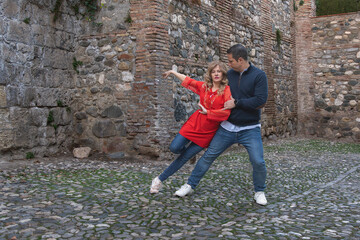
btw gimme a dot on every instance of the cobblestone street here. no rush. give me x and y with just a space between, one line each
313 193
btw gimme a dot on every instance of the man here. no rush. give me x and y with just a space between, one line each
249 89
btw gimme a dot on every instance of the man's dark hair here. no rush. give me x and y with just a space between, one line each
238 51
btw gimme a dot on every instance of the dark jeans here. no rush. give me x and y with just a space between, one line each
178 146
250 139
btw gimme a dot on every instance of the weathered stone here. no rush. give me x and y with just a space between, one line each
84 43
116 155
3 102
180 112
107 90
125 56
123 66
112 112
12 96
92 111
38 117
80 115
104 129
82 152
94 90
127 76
79 128
62 116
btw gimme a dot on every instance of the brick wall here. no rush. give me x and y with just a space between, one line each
328 57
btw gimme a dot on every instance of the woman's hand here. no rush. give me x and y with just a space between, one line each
175 73
203 109
167 73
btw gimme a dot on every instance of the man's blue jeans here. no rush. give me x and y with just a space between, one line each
250 139
178 146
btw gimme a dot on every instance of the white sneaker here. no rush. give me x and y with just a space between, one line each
184 190
260 198
156 185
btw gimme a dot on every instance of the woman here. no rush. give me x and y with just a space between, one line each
200 128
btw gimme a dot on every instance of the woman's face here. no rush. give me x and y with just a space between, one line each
216 75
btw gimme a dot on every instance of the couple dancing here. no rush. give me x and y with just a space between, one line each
229 113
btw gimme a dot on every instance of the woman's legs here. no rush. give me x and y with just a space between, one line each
221 141
178 145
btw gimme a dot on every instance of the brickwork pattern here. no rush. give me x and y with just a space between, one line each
328 74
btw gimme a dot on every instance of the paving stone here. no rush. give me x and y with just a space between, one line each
313 193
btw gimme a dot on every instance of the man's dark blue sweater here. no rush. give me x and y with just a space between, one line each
250 92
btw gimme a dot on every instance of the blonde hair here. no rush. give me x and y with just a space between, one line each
208 83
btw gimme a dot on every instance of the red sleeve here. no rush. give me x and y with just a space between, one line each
192 85
219 114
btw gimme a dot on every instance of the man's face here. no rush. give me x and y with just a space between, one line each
236 65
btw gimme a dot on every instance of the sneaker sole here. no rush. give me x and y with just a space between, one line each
184 195
153 191
260 203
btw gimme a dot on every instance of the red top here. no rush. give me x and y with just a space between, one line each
201 128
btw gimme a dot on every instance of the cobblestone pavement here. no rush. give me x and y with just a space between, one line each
313 193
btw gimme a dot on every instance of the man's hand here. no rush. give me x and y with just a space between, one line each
229 104
261 106
203 110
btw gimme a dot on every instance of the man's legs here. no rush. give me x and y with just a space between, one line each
251 140
221 141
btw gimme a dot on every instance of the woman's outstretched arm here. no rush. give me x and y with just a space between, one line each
180 76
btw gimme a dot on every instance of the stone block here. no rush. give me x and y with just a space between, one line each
10 8
78 128
127 77
57 58
46 136
82 152
64 40
80 115
38 117
6 139
61 116
25 136
104 129
19 32
112 112
92 111
123 66
38 77
2 27
28 97
47 97
3 102
12 96
116 155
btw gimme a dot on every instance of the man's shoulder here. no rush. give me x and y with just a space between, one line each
231 71
257 73
256 69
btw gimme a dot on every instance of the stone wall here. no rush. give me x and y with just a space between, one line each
36 78
104 81
101 79
329 72
199 34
